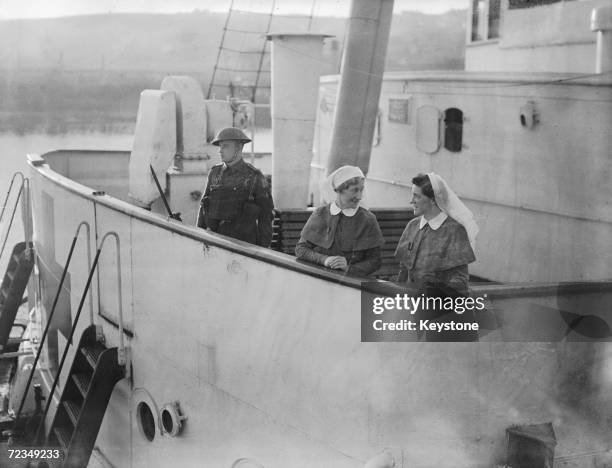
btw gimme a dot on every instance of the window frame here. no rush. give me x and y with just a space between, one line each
454 127
481 21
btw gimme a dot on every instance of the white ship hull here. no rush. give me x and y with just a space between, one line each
264 357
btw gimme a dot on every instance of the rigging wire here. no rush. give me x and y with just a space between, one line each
214 73
228 55
263 51
312 10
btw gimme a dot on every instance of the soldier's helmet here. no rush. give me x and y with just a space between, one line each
230 133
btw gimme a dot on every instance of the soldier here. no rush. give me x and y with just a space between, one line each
237 201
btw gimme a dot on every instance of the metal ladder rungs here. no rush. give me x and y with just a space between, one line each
82 382
63 436
73 411
92 353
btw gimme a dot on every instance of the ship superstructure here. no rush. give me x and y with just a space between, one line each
227 354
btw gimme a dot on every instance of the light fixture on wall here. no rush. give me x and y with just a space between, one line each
529 115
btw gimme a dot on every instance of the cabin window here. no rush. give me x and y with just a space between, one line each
486 16
494 13
478 12
453 129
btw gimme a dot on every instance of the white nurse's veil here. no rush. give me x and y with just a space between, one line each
449 202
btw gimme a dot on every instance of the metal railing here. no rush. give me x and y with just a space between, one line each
51 314
121 355
24 182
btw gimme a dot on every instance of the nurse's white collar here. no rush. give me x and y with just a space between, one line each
434 222
335 209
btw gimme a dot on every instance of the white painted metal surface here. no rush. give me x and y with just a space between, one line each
428 129
154 144
191 118
296 65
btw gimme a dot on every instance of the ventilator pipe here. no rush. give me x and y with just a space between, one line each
296 70
361 77
601 23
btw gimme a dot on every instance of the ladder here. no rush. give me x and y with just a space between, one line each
89 385
12 288
242 67
240 79
94 371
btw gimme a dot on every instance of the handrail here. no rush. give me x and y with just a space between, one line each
121 351
27 202
6 200
9 191
51 314
121 358
91 306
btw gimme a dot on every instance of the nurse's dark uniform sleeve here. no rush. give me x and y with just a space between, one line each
316 231
453 270
305 250
368 257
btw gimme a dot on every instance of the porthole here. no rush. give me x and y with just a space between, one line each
172 420
146 421
167 422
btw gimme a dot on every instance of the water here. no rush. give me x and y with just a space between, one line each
13 152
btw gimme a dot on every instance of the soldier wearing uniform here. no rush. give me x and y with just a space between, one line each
237 201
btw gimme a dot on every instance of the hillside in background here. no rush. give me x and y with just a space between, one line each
73 73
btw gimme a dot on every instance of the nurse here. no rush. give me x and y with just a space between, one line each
342 235
436 246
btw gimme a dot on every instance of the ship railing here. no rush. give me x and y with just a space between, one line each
23 184
52 313
121 355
